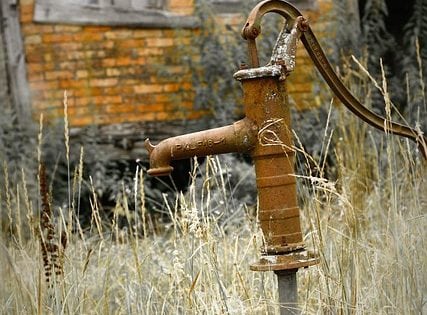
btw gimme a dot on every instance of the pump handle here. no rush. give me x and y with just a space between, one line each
251 31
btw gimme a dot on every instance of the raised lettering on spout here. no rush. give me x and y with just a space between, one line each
207 143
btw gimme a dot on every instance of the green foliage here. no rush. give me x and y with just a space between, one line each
375 34
413 63
416 29
398 38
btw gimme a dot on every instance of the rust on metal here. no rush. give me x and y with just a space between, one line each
266 105
293 260
265 133
238 137
284 52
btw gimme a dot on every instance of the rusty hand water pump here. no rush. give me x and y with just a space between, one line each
265 133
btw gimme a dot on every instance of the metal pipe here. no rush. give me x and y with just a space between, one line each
288 293
266 133
238 137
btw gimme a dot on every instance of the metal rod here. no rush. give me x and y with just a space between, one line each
288 293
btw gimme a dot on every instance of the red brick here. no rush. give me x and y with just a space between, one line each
121 89
152 108
174 87
144 33
149 51
28 29
163 98
26 18
55 75
72 84
103 82
71 46
88 37
300 87
140 61
141 117
32 39
185 41
113 72
120 108
34 68
67 65
181 3
78 121
125 61
82 74
97 29
57 38
107 99
110 62
84 101
36 77
130 43
43 85
186 86
31 57
148 88
96 72
159 42
78 110
182 10
67 28
104 44
53 94
85 91
131 81
26 2
26 9
170 115
119 34
47 57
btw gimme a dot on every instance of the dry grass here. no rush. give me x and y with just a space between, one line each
368 226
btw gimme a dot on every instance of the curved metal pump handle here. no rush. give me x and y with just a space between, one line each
252 29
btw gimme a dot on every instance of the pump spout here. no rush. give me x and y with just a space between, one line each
238 137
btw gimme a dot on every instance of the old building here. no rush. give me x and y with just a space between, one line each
116 60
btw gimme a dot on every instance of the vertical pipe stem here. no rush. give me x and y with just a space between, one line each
288 293
266 104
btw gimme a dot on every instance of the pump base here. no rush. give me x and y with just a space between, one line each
293 260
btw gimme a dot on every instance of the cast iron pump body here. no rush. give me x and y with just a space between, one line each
265 133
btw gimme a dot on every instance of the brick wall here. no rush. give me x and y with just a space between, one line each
119 74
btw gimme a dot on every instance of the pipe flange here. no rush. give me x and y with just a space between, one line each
292 260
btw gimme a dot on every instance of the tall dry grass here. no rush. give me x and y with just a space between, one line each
368 225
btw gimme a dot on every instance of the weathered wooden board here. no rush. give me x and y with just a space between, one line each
16 66
4 82
235 6
62 11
